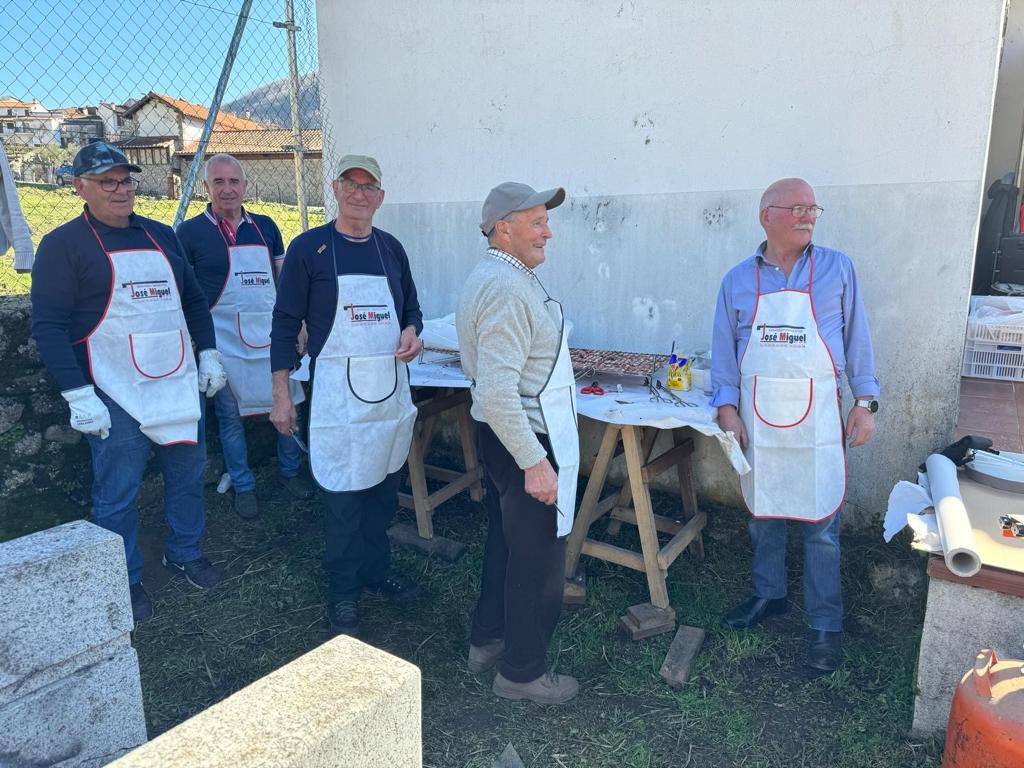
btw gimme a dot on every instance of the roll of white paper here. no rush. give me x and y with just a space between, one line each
954 526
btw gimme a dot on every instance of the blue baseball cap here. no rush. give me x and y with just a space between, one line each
99 157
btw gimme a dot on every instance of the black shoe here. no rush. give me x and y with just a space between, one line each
396 589
825 652
753 611
246 506
297 487
142 606
200 572
343 618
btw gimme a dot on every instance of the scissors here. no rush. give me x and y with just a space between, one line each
593 389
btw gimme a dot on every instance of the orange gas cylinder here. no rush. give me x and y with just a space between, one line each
986 721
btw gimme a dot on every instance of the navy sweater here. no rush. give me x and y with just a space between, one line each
71 284
308 289
207 251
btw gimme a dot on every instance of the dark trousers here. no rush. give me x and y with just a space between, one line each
357 550
524 565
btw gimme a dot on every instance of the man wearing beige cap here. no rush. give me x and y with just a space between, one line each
513 340
351 284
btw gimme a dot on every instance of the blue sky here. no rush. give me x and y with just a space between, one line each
77 52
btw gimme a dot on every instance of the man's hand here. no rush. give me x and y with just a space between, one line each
409 345
282 411
729 420
300 342
89 415
212 376
542 482
860 426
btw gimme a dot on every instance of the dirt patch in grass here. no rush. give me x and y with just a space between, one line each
747 702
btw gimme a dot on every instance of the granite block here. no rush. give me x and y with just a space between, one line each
344 705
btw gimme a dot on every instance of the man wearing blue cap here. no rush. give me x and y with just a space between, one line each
115 312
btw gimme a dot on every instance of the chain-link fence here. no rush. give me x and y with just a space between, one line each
143 75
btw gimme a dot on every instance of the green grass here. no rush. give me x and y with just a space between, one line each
747 702
48 208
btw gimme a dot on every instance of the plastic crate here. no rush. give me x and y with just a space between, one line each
994 333
987 360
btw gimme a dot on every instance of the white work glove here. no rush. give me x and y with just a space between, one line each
212 376
88 413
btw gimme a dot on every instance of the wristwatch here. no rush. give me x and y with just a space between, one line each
871 405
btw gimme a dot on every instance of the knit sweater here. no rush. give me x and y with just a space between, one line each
509 342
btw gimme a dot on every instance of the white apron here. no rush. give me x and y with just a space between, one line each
789 404
140 352
558 410
242 317
361 413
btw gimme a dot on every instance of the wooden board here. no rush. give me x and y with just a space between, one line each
681 654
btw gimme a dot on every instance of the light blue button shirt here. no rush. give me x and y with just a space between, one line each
842 321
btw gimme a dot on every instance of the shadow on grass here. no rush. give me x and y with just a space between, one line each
747 702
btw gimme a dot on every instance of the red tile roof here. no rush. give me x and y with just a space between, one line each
225 120
256 143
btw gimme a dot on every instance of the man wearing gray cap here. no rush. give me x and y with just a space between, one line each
115 312
351 284
514 347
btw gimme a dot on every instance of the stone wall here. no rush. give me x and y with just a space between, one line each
38 449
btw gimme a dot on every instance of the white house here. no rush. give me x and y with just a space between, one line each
665 121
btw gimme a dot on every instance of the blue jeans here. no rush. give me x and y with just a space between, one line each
823 598
118 464
232 443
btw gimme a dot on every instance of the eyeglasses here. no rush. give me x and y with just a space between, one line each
800 210
351 186
112 185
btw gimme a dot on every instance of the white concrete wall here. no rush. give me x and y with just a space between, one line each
154 118
191 129
1008 110
664 121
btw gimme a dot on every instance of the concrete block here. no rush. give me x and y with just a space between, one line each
84 719
65 591
343 705
959 621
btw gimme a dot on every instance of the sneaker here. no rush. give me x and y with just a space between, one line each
142 606
395 589
200 572
549 688
246 506
297 487
483 657
343 618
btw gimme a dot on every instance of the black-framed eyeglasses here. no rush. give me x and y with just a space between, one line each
801 210
351 186
112 185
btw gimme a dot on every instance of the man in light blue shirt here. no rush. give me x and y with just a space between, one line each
788 323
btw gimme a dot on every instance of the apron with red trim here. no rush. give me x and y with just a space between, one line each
789 404
140 352
242 318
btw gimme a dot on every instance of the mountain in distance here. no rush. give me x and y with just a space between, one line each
270 103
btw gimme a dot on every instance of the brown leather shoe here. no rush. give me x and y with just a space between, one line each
483 657
549 688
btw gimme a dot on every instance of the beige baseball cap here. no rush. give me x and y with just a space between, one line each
511 196
365 162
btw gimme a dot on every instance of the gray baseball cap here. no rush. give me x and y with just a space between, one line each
365 162
511 196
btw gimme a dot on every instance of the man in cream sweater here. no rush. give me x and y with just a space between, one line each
510 335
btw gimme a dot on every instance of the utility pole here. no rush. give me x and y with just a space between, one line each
211 118
298 150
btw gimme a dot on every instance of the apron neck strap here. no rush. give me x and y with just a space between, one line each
809 251
99 240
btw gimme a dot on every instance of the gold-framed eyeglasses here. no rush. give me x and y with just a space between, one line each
351 186
801 210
